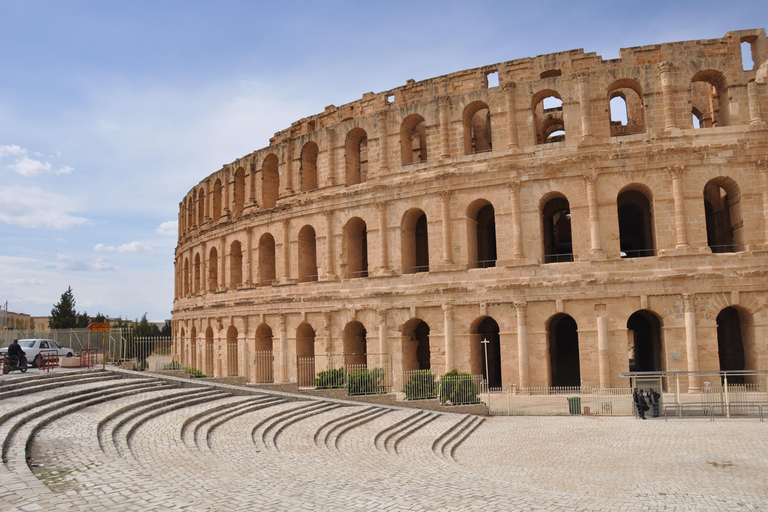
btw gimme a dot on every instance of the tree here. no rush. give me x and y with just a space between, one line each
99 318
83 320
63 315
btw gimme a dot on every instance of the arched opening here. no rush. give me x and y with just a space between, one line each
270 181
355 345
213 269
191 210
709 98
722 208
416 354
356 247
563 338
267 273
232 351
186 276
305 354
235 264
308 170
239 191
635 224
626 104
413 140
307 255
197 274
644 342
415 242
193 348
264 356
481 238
486 328
216 200
209 352
730 343
477 128
548 117
356 151
201 206
556 228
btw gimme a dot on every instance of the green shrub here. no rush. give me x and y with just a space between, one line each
194 372
367 382
458 389
331 379
421 385
173 365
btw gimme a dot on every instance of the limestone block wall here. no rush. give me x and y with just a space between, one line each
415 222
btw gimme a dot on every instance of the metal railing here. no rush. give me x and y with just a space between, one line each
416 269
638 253
558 258
47 360
483 263
557 400
719 249
360 374
261 366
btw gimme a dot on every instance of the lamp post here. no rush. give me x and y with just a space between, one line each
487 372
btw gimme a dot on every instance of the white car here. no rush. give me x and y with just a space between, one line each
33 347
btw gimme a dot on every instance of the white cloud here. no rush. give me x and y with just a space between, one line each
79 265
12 150
168 228
30 167
129 247
32 207
30 282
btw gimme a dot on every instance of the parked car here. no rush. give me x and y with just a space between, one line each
33 347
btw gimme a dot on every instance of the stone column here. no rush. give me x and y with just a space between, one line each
676 172
283 354
327 330
444 105
586 119
590 179
691 344
667 91
445 199
204 269
762 168
522 344
448 333
332 157
509 97
383 146
384 252
517 229
286 250
754 103
381 318
603 352
329 267
288 166
228 188
208 201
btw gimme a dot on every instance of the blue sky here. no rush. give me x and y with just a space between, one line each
111 111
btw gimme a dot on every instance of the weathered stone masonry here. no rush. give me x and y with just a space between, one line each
419 220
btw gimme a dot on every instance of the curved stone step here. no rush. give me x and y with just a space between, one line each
199 418
36 385
344 429
272 420
446 444
384 433
215 423
399 436
329 426
279 427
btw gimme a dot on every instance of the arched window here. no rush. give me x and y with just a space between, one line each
216 200
307 255
197 273
635 224
548 117
213 269
356 150
232 351
477 128
209 352
556 228
731 347
235 264
201 206
709 99
481 235
355 345
305 354
722 207
486 328
270 181
183 217
356 248
308 170
563 338
413 140
263 357
267 273
626 104
416 353
239 191
191 210
645 349
186 276
415 242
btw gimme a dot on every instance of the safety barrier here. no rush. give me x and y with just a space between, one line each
88 357
47 360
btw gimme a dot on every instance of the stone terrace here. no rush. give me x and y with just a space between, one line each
128 441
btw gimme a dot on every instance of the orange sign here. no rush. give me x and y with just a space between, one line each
99 327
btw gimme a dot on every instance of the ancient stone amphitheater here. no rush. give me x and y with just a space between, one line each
585 216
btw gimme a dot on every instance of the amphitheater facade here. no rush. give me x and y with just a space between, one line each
585 216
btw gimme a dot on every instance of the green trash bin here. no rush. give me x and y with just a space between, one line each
574 405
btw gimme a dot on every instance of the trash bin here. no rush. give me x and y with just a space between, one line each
574 405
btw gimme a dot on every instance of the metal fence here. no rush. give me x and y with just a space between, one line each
261 366
554 401
360 374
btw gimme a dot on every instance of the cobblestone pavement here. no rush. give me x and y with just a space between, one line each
155 447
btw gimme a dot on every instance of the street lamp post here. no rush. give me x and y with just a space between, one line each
487 372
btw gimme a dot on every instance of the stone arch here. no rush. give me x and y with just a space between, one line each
232 351
264 354
186 277
201 206
645 345
305 354
724 222
216 199
413 139
213 269
416 350
209 351
356 154
631 93
270 181
635 212
477 128
267 273
197 274
235 264
355 344
481 234
563 350
549 122
485 327
192 205
735 341
709 98
308 169
239 191
307 254
415 242
557 240
355 240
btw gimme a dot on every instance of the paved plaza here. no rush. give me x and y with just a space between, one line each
124 442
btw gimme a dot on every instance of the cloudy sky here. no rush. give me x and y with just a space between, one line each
111 111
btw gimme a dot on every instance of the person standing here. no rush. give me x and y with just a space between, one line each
653 399
640 404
